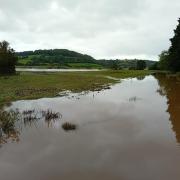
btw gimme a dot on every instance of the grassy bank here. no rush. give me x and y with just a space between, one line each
37 85
65 66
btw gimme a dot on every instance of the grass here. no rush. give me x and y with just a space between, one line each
85 65
24 63
38 85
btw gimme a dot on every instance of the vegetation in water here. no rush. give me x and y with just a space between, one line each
50 115
11 122
69 126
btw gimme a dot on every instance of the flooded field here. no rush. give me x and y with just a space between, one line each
128 132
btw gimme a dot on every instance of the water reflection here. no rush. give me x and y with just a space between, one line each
170 87
141 77
122 133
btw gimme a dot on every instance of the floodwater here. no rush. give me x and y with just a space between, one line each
129 132
54 70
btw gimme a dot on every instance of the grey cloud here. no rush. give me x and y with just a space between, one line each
102 28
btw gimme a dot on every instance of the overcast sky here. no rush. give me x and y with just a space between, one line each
101 28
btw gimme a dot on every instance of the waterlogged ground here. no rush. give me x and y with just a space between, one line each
128 132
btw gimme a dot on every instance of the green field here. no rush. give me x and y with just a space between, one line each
85 65
24 63
38 85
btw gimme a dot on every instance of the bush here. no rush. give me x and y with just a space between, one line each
8 58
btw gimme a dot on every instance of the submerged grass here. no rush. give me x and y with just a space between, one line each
7 121
12 122
50 115
69 126
38 85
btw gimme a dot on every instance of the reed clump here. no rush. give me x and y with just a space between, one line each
69 126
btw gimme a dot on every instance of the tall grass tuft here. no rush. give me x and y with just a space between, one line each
69 126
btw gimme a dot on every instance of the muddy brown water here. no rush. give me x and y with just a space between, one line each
129 132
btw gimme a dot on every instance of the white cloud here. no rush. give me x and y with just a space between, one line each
103 28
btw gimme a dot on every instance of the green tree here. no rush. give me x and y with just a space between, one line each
155 66
8 58
174 51
115 65
163 60
141 65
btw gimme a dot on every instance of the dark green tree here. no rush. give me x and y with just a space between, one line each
163 60
141 65
174 51
8 58
115 65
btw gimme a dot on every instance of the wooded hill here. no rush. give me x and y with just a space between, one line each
63 58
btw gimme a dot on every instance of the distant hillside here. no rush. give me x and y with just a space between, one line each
63 58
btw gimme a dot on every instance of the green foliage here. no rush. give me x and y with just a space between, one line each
60 57
155 66
141 65
163 60
174 51
123 64
115 65
8 58
170 60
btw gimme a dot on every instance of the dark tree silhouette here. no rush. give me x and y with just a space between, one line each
115 65
174 51
163 60
8 58
141 65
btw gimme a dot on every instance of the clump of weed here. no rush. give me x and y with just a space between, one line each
29 116
69 126
7 126
50 115
7 120
28 112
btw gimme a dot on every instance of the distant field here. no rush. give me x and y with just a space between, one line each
38 85
26 61
85 65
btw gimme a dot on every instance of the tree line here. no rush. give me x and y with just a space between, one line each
170 59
